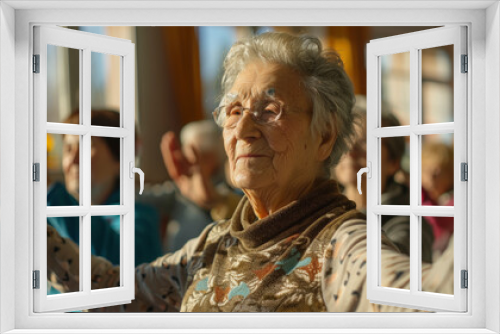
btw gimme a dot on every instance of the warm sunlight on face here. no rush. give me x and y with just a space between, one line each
281 154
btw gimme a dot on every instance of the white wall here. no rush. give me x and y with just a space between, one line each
7 89
492 146
487 118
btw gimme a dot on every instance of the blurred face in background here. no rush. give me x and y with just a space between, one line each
350 163
348 167
105 170
71 164
437 176
389 167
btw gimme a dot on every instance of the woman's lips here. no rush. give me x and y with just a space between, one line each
250 156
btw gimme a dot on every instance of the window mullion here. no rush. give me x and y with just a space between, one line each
108 210
85 170
67 211
419 129
67 129
127 96
102 131
85 254
434 129
415 93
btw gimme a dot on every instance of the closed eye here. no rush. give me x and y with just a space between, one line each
272 107
234 110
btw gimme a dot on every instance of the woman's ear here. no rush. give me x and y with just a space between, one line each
326 145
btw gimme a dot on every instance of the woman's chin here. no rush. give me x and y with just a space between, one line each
250 181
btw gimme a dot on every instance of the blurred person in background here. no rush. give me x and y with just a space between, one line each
397 228
437 188
197 167
105 190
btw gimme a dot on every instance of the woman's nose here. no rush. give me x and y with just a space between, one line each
247 127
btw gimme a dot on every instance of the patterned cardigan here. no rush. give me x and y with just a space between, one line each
309 256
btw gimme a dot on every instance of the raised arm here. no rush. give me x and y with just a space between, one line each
192 180
159 285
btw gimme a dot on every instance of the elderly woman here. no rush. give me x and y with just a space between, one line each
294 243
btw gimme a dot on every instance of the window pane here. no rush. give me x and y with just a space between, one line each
395 267
437 170
67 227
440 278
437 84
105 170
395 171
63 170
105 243
63 84
395 86
105 89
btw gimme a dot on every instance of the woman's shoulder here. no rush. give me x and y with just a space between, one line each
217 230
347 222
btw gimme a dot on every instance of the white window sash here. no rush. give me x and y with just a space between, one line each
87 43
413 42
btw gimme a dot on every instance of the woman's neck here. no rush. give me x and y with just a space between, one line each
266 201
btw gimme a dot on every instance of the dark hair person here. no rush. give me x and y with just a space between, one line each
294 242
105 190
392 149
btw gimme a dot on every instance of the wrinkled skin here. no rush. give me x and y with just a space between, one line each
275 163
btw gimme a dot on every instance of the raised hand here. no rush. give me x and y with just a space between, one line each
192 180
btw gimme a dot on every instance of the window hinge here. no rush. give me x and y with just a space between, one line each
465 279
465 64
36 172
36 63
464 172
36 279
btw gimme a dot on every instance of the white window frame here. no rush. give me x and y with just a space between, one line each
483 21
85 43
414 44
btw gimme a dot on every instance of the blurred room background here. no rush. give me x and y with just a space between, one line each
178 73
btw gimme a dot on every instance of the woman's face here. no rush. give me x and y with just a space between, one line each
437 178
284 153
104 168
71 164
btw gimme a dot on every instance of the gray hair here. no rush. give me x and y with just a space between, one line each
206 134
324 79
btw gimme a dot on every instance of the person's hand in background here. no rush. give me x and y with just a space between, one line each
194 181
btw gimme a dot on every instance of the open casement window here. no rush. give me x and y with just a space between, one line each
48 43
398 78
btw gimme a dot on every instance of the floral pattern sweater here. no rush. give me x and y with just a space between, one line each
309 256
